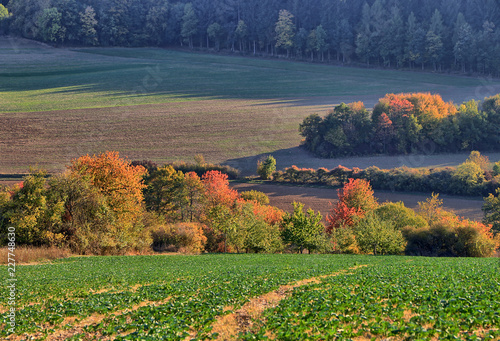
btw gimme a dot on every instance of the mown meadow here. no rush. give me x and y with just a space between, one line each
248 297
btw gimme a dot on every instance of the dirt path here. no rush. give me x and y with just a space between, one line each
242 320
319 199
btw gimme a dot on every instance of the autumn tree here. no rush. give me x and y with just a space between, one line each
355 200
119 191
217 190
220 202
116 178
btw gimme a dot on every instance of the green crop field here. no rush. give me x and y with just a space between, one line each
248 297
58 79
164 105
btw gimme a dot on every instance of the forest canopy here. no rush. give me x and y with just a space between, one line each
441 35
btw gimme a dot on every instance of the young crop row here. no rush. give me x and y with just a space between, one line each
153 297
417 299
179 297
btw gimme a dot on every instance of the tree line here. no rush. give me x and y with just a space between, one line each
104 204
404 123
441 35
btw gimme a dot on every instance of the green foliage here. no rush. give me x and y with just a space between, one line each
377 236
189 24
28 210
469 174
89 23
344 240
51 29
301 229
200 167
496 168
256 196
339 307
216 33
400 216
266 167
482 161
439 180
253 234
400 123
163 191
284 30
491 209
4 12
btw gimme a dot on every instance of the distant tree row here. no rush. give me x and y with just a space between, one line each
443 35
404 123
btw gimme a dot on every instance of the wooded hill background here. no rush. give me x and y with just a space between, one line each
443 35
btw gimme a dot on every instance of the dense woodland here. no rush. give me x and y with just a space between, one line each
444 35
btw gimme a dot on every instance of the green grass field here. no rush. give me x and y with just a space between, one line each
248 297
93 78
163 105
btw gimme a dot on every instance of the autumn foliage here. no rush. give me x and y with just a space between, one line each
116 178
355 200
403 123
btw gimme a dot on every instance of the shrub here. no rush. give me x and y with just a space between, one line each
491 209
482 161
436 240
266 167
496 168
180 237
468 175
400 216
256 196
201 167
31 254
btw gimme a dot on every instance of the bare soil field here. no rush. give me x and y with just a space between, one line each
319 199
218 129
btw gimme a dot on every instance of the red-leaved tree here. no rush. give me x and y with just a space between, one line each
355 200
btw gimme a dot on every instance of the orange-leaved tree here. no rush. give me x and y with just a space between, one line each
117 179
217 190
355 200
219 206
